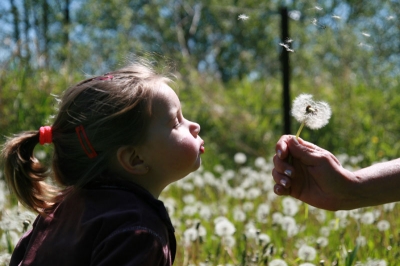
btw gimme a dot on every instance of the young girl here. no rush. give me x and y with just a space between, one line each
119 140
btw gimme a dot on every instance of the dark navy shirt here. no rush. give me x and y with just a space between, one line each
105 223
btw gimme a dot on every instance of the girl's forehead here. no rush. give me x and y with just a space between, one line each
165 93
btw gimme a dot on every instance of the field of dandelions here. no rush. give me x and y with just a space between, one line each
233 217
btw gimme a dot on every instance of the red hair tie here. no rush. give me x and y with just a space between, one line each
85 143
45 135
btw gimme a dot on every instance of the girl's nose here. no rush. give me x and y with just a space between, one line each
194 128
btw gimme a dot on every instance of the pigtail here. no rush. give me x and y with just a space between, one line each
24 173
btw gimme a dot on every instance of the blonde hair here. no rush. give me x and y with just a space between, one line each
115 110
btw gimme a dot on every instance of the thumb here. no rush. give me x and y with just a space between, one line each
304 151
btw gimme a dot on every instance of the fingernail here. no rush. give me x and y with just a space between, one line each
279 152
288 172
278 190
283 182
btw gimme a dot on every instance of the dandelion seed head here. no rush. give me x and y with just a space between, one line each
322 241
290 206
253 193
190 235
243 17
240 158
277 262
325 231
224 228
361 241
239 193
248 206
277 218
219 168
383 225
189 210
189 199
367 218
307 253
314 118
239 215
205 212
251 231
264 238
260 162
262 212
389 206
228 241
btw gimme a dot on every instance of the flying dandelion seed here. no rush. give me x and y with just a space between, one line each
287 45
295 15
336 17
243 17
315 22
288 40
312 114
366 34
318 8
284 45
361 44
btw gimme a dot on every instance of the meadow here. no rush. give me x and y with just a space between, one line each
231 216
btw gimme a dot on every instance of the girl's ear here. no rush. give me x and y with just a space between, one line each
130 161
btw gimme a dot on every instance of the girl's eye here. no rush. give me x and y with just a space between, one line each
177 123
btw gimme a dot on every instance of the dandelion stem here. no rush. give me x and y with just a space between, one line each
300 129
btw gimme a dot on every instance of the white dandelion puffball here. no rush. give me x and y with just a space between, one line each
224 228
277 262
240 158
313 114
383 225
307 253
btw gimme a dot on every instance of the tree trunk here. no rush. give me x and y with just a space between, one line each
45 28
66 28
17 35
27 26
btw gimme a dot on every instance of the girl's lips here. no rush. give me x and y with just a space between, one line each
202 149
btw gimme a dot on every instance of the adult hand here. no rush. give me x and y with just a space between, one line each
312 174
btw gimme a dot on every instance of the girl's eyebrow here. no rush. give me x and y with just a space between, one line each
172 115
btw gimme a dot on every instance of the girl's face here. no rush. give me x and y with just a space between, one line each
173 146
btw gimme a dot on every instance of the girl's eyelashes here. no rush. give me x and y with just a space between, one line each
177 123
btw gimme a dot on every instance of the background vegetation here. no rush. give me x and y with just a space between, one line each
228 69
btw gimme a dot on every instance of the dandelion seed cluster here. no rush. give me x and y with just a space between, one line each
314 115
